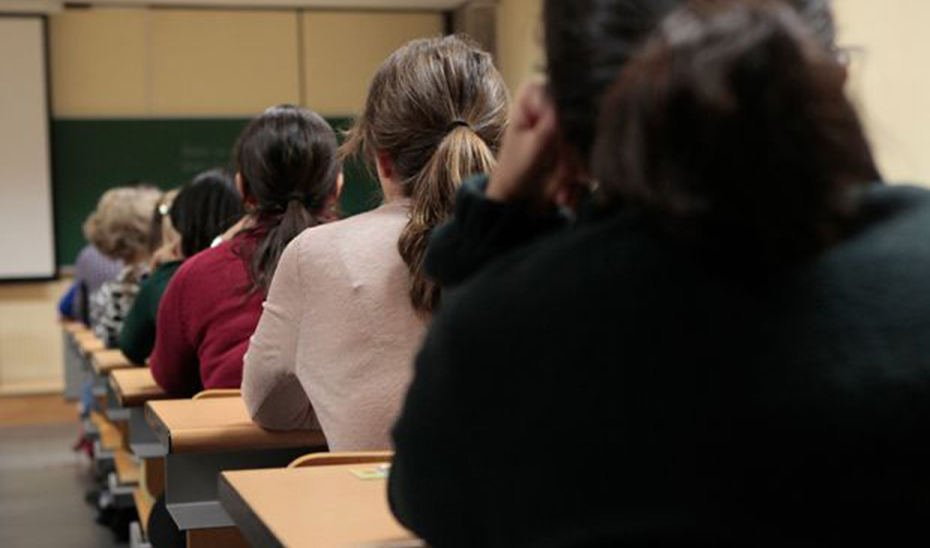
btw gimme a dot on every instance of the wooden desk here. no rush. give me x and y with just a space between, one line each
135 386
217 425
205 437
73 327
318 507
88 343
106 361
127 469
103 362
131 389
75 374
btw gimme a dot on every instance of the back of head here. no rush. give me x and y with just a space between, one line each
121 225
287 160
161 231
438 109
588 42
204 209
732 127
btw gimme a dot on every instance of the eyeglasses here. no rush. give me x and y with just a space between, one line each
845 55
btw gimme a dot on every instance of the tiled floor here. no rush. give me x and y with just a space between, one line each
42 485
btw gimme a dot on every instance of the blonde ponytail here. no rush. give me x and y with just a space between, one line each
438 108
461 154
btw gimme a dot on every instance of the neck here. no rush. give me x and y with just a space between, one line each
391 190
246 222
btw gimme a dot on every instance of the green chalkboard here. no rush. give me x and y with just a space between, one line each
92 155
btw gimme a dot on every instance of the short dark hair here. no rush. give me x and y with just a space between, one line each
732 126
205 208
588 42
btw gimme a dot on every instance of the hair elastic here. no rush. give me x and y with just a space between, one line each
457 123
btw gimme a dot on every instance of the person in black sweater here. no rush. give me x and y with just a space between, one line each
728 348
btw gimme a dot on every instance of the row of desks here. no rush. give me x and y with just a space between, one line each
221 470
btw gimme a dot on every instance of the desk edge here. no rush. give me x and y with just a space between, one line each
159 427
250 525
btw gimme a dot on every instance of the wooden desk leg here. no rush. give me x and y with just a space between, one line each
153 476
227 537
123 428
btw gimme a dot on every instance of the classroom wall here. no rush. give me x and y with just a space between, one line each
116 63
888 42
337 81
226 63
520 53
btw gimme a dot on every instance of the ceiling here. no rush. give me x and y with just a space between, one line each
54 5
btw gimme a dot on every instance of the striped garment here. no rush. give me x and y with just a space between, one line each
111 304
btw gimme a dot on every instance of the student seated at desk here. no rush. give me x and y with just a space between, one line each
201 211
127 223
119 229
92 268
289 176
729 349
350 301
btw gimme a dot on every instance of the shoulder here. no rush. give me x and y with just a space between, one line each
87 256
160 276
883 205
552 277
86 252
370 222
210 258
166 270
892 222
364 231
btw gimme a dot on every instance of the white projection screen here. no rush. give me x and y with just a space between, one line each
27 238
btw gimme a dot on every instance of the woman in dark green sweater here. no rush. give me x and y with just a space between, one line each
202 210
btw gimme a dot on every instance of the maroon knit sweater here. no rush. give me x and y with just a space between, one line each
205 321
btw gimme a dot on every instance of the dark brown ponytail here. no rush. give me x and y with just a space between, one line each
289 165
732 128
438 108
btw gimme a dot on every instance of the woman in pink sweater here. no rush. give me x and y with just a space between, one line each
349 303
289 175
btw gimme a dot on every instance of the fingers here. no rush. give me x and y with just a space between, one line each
546 128
532 103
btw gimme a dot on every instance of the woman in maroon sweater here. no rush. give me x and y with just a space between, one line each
289 174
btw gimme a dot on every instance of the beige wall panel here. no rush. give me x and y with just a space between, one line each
30 339
222 63
520 54
888 81
98 62
342 51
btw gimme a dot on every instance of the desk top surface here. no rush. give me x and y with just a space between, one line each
218 425
89 343
105 361
73 327
319 507
135 386
84 334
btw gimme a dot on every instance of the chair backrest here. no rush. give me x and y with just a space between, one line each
328 459
219 393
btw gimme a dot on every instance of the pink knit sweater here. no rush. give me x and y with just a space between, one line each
335 345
